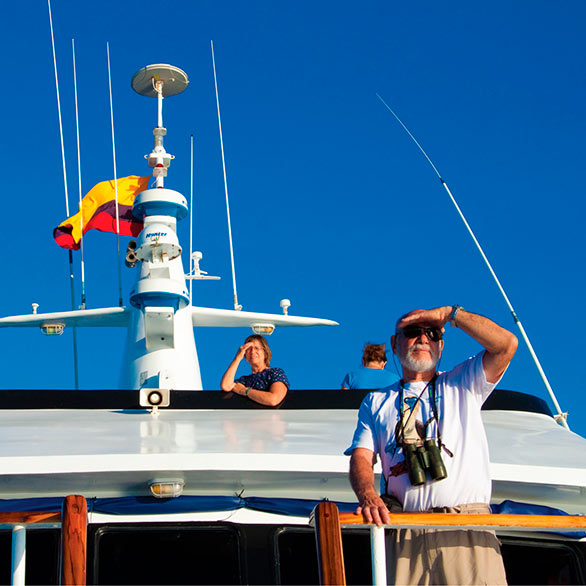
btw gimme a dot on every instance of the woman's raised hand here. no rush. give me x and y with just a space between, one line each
242 350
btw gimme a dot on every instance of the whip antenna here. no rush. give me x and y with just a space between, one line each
561 417
115 178
71 274
237 307
191 219
82 306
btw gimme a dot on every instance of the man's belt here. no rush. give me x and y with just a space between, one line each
394 506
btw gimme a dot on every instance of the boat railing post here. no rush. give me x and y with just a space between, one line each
328 537
18 555
378 555
73 541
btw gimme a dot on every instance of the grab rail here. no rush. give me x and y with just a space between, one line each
73 521
328 523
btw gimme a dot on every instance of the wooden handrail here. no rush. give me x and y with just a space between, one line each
545 522
73 519
329 544
328 523
74 541
30 517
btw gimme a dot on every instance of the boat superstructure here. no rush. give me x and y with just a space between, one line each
243 478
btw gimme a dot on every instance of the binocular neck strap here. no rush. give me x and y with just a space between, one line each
407 421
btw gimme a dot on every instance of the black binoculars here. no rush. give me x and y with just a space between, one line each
420 459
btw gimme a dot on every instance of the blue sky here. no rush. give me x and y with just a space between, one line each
332 205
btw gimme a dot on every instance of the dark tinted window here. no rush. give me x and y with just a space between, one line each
531 562
526 561
167 554
296 556
42 556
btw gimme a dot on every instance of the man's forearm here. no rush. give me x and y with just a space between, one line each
500 344
487 333
362 480
362 477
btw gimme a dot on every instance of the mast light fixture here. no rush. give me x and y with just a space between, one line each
52 329
167 487
263 329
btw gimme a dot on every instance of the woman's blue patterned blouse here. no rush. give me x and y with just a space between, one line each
264 379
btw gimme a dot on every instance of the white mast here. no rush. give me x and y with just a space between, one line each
161 344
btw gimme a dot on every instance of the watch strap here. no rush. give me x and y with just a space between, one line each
452 318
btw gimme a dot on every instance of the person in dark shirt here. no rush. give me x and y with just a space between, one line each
266 385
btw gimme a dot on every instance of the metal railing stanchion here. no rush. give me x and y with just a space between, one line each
378 555
18 555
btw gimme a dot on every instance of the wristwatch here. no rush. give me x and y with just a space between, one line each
452 318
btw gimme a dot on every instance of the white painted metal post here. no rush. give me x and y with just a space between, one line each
378 555
159 90
18 555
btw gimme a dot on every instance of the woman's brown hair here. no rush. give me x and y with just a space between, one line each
264 344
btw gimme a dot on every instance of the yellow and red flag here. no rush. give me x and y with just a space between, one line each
99 211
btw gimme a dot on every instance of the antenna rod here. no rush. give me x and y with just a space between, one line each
159 90
159 133
115 178
71 274
561 417
82 306
237 307
191 222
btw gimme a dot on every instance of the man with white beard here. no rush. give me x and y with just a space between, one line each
428 433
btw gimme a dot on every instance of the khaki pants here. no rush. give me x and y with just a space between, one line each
444 556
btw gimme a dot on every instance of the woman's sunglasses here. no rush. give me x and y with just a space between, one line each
433 334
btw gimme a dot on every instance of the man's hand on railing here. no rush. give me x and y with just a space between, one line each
374 510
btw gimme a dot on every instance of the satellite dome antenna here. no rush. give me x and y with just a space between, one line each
159 81
171 79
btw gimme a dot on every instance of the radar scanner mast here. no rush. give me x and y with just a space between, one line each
160 353
161 345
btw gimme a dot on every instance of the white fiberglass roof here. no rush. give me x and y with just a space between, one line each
294 453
